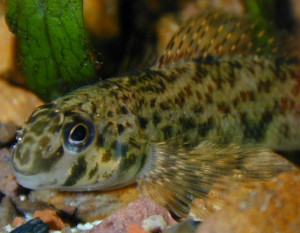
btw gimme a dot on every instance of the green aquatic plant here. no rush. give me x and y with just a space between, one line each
53 44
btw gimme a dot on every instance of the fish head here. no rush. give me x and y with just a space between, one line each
68 148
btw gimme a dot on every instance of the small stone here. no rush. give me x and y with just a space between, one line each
261 212
187 226
8 184
7 212
134 213
89 206
7 132
32 226
18 221
155 223
134 228
50 218
16 103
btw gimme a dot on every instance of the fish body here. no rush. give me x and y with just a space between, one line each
101 136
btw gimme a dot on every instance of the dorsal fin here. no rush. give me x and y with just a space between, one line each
216 33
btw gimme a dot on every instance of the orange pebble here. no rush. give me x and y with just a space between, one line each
134 228
50 218
18 221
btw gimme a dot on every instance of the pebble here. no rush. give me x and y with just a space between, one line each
275 207
16 103
8 184
7 133
135 213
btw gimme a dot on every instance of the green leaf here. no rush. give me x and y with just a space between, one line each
261 9
262 14
53 46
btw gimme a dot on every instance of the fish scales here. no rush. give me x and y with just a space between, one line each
153 122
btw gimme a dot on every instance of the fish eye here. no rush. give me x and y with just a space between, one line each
78 135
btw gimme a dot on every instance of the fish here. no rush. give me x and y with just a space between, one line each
221 99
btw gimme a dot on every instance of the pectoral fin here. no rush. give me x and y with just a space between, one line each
176 175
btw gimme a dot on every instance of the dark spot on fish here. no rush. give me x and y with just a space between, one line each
52 114
79 105
187 90
251 95
208 98
39 127
201 72
152 103
100 140
180 44
142 122
198 95
132 142
198 109
191 42
106 157
105 84
223 108
179 101
210 89
125 98
106 175
205 127
114 93
285 129
44 141
77 172
32 119
132 81
187 123
113 145
282 76
93 171
120 128
121 150
235 102
24 157
54 128
27 139
164 106
93 108
109 114
128 125
141 102
256 128
42 164
171 45
156 119
107 126
162 85
167 131
128 161
287 104
264 86
124 110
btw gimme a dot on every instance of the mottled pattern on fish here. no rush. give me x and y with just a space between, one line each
100 136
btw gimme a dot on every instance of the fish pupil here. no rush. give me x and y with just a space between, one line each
78 133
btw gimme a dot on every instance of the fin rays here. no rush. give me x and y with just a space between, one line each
218 34
175 176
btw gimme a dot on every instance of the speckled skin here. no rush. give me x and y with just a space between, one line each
194 100
246 99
